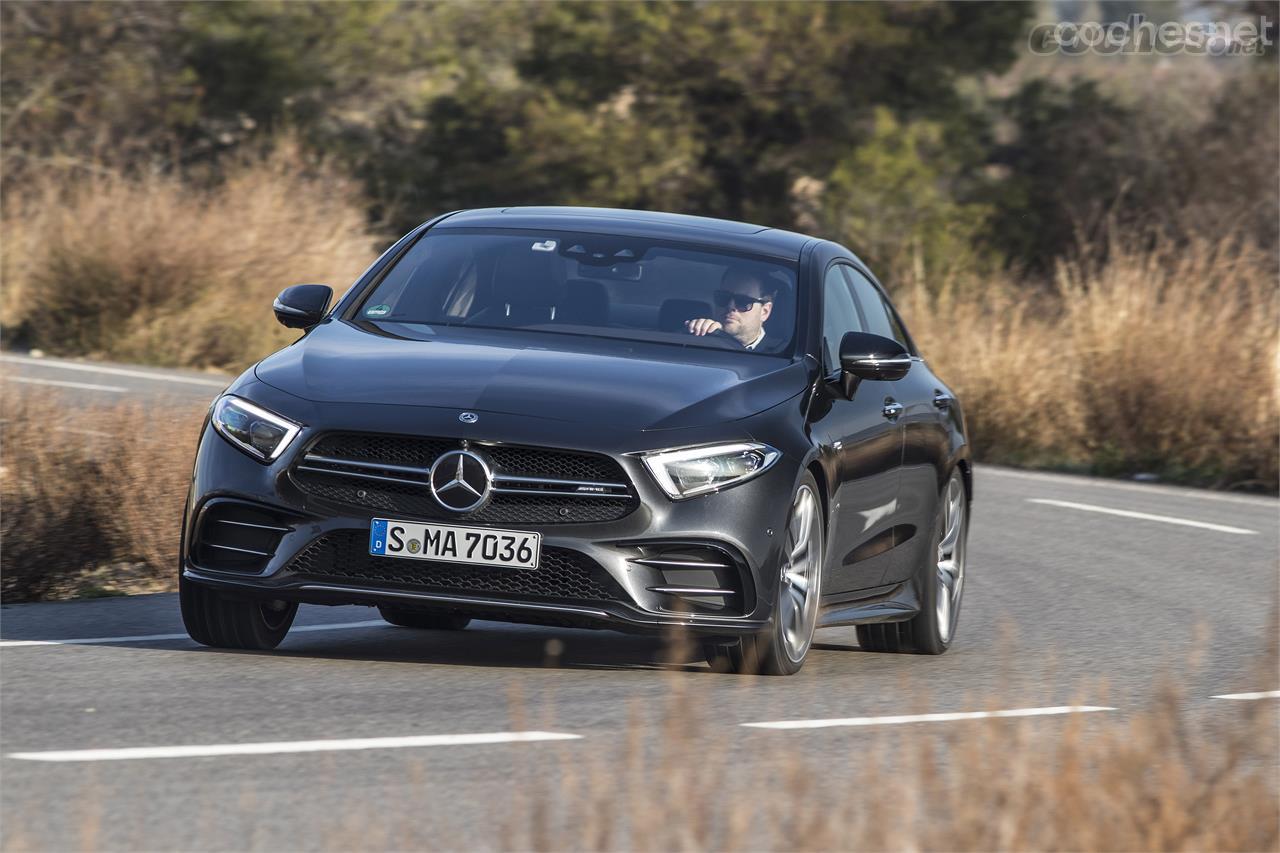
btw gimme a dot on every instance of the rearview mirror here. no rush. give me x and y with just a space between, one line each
303 305
867 356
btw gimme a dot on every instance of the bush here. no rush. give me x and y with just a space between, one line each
1123 367
155 270
92 497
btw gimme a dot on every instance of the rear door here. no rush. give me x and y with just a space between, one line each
926 440
868 451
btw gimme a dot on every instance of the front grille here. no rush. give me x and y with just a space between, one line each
561 573
389 474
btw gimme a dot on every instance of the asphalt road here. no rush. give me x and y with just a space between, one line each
1067 604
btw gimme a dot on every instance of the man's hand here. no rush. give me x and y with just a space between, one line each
702 326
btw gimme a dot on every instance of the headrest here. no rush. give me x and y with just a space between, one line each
528 279
586 303
782 319
674 312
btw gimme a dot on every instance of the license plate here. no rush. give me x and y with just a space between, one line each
445 543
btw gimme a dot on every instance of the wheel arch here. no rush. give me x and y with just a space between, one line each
966 475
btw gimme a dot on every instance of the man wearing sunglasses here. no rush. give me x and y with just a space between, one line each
743 302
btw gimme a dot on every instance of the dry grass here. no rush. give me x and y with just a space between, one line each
1162 779
1158 360
154 270
1183 774
92 498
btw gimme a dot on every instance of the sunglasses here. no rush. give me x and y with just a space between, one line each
739 301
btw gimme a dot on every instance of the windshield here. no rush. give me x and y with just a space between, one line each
590 284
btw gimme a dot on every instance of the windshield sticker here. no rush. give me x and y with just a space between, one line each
545 246
377 311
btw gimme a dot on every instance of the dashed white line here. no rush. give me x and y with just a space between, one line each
1145 488
84 386
281 747
1264 694
927 718
1144 516
113 371
149 638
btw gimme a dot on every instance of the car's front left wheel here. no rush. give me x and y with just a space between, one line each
941 582
782 649
230 623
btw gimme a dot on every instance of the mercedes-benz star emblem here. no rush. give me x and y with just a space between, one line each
461 480
468 417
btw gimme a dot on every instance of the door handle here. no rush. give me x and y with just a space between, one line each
941 401
892 410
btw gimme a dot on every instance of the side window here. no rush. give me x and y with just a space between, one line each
880 319
839 314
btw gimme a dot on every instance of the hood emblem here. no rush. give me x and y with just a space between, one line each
461 481
468 417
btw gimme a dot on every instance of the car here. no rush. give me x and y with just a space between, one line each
639 421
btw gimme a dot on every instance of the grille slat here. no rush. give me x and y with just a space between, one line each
523 494
561 573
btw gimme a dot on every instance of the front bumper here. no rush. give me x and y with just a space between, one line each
744 523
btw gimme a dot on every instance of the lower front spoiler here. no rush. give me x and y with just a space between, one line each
578 615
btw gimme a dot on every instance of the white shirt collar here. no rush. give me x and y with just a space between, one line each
756 342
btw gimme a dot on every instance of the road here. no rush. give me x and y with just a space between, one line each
1080 593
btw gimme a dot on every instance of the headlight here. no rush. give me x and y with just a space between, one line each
263 435
698 470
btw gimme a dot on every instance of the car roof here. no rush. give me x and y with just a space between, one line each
725 233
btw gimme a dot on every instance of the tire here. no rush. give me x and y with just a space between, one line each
214 620
941 584
424 619
781 650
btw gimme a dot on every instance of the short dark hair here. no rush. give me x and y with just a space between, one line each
744 274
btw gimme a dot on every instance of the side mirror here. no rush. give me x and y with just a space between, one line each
303 305
867 356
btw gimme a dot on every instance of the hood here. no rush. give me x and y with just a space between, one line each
613 383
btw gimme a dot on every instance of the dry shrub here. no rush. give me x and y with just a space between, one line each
1173 360
154 270
1171 777
998 349
92 497
1159 359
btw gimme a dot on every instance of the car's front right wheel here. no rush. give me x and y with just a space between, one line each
781 650
213 619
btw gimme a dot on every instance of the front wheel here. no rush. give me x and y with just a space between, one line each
941 580
782 649
212 619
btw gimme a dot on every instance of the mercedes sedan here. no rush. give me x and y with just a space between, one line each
597 418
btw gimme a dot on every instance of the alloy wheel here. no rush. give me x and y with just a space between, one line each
798 601
950 562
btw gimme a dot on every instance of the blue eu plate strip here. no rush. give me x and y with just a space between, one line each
378 536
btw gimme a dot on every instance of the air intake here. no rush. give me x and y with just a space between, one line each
694 577
233 536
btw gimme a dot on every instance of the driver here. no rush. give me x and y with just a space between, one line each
744 301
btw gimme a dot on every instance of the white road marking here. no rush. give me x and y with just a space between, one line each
1265 694
276 748
1147 488
148 638
1144 516
113 371
927 718
84 386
